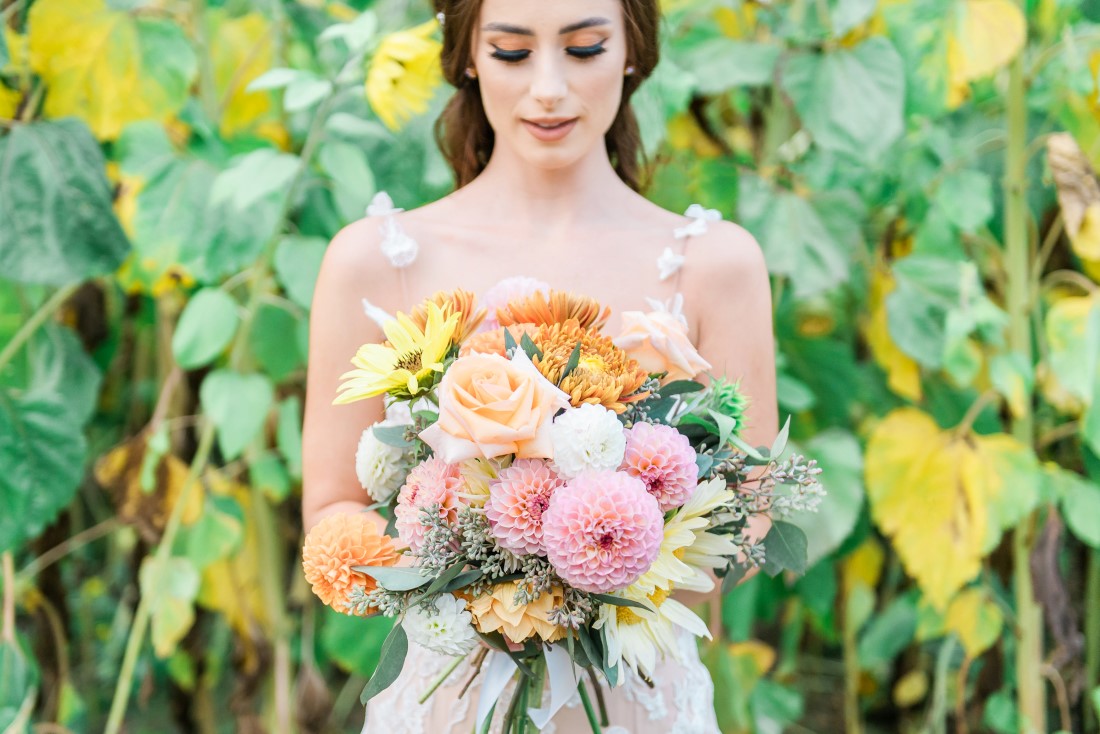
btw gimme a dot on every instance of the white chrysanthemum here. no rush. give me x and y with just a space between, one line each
688 548
641 638
448 631
587 437
380 467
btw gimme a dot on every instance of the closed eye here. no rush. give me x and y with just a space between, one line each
580 52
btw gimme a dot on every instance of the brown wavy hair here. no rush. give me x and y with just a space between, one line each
462 130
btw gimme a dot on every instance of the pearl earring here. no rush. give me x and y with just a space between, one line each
470 73
629 71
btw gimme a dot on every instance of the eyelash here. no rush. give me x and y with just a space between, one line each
581 52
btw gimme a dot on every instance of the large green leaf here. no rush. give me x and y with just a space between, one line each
352 180
238 405
850 100
838 454
42 450
724 63
966 199
795 239
171 584
55 205
353 642
18 682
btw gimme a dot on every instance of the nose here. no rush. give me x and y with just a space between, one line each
549 85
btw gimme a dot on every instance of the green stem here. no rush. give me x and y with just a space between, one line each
144 609
1030 686
852 721
442 677
35 322
1092 638
588 710
7 633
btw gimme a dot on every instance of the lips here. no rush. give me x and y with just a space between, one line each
550 128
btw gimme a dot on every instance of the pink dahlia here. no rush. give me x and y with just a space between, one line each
663 459
602 531
432 482
517 500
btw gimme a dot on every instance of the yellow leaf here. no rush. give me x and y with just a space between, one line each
985 36
739 23
864 564
684 133
911 688
761 654
9 102
902 371
935 495
107 67
17 49
241 49
976 619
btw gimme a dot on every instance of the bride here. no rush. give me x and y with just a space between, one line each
544 148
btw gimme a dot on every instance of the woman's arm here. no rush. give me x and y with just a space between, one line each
729 283
353 268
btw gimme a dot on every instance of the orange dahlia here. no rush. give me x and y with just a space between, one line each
605 374
337 543
555 308
457 301
492 342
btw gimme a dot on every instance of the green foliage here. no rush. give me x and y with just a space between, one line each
170 177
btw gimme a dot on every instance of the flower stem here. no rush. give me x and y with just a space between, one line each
442 677
588 710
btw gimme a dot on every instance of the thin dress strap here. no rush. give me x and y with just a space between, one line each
398 247
670 262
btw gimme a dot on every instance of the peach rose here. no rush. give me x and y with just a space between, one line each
659 341
490 406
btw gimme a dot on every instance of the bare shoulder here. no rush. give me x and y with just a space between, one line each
727 249
354 263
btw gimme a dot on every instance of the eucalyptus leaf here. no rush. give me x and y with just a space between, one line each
529 347
784 548
395 578
620 601
680 387
780 443
392 436
390 662
571 364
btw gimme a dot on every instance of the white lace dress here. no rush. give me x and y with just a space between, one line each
681 700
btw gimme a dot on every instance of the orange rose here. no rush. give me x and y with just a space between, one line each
490 406
659 341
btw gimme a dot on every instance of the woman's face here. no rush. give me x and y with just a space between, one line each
550 60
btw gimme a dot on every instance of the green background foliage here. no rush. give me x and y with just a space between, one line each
919 174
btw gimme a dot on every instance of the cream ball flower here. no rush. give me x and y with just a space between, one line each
446 628
380 467
588 437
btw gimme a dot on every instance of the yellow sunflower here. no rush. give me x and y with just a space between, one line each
604 374
405 365
404 74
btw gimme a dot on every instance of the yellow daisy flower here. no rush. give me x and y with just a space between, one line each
404 365
404 73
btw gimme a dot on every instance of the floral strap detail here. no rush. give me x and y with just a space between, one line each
397 246
669 261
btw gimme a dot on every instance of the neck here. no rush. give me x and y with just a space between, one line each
547 200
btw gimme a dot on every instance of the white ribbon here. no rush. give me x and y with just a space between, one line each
498 671
563 683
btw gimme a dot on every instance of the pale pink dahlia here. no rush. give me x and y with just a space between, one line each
602 531
517 500
432 482
661 457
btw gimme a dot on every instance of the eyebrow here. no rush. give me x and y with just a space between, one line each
521 31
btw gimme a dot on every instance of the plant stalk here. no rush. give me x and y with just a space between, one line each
7 633
1092 639
1030 687
35 322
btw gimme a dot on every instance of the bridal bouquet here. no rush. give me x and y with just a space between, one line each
550 486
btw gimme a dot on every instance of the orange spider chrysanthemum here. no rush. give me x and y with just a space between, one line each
605 374
492 342
457 301
557 308
336 544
